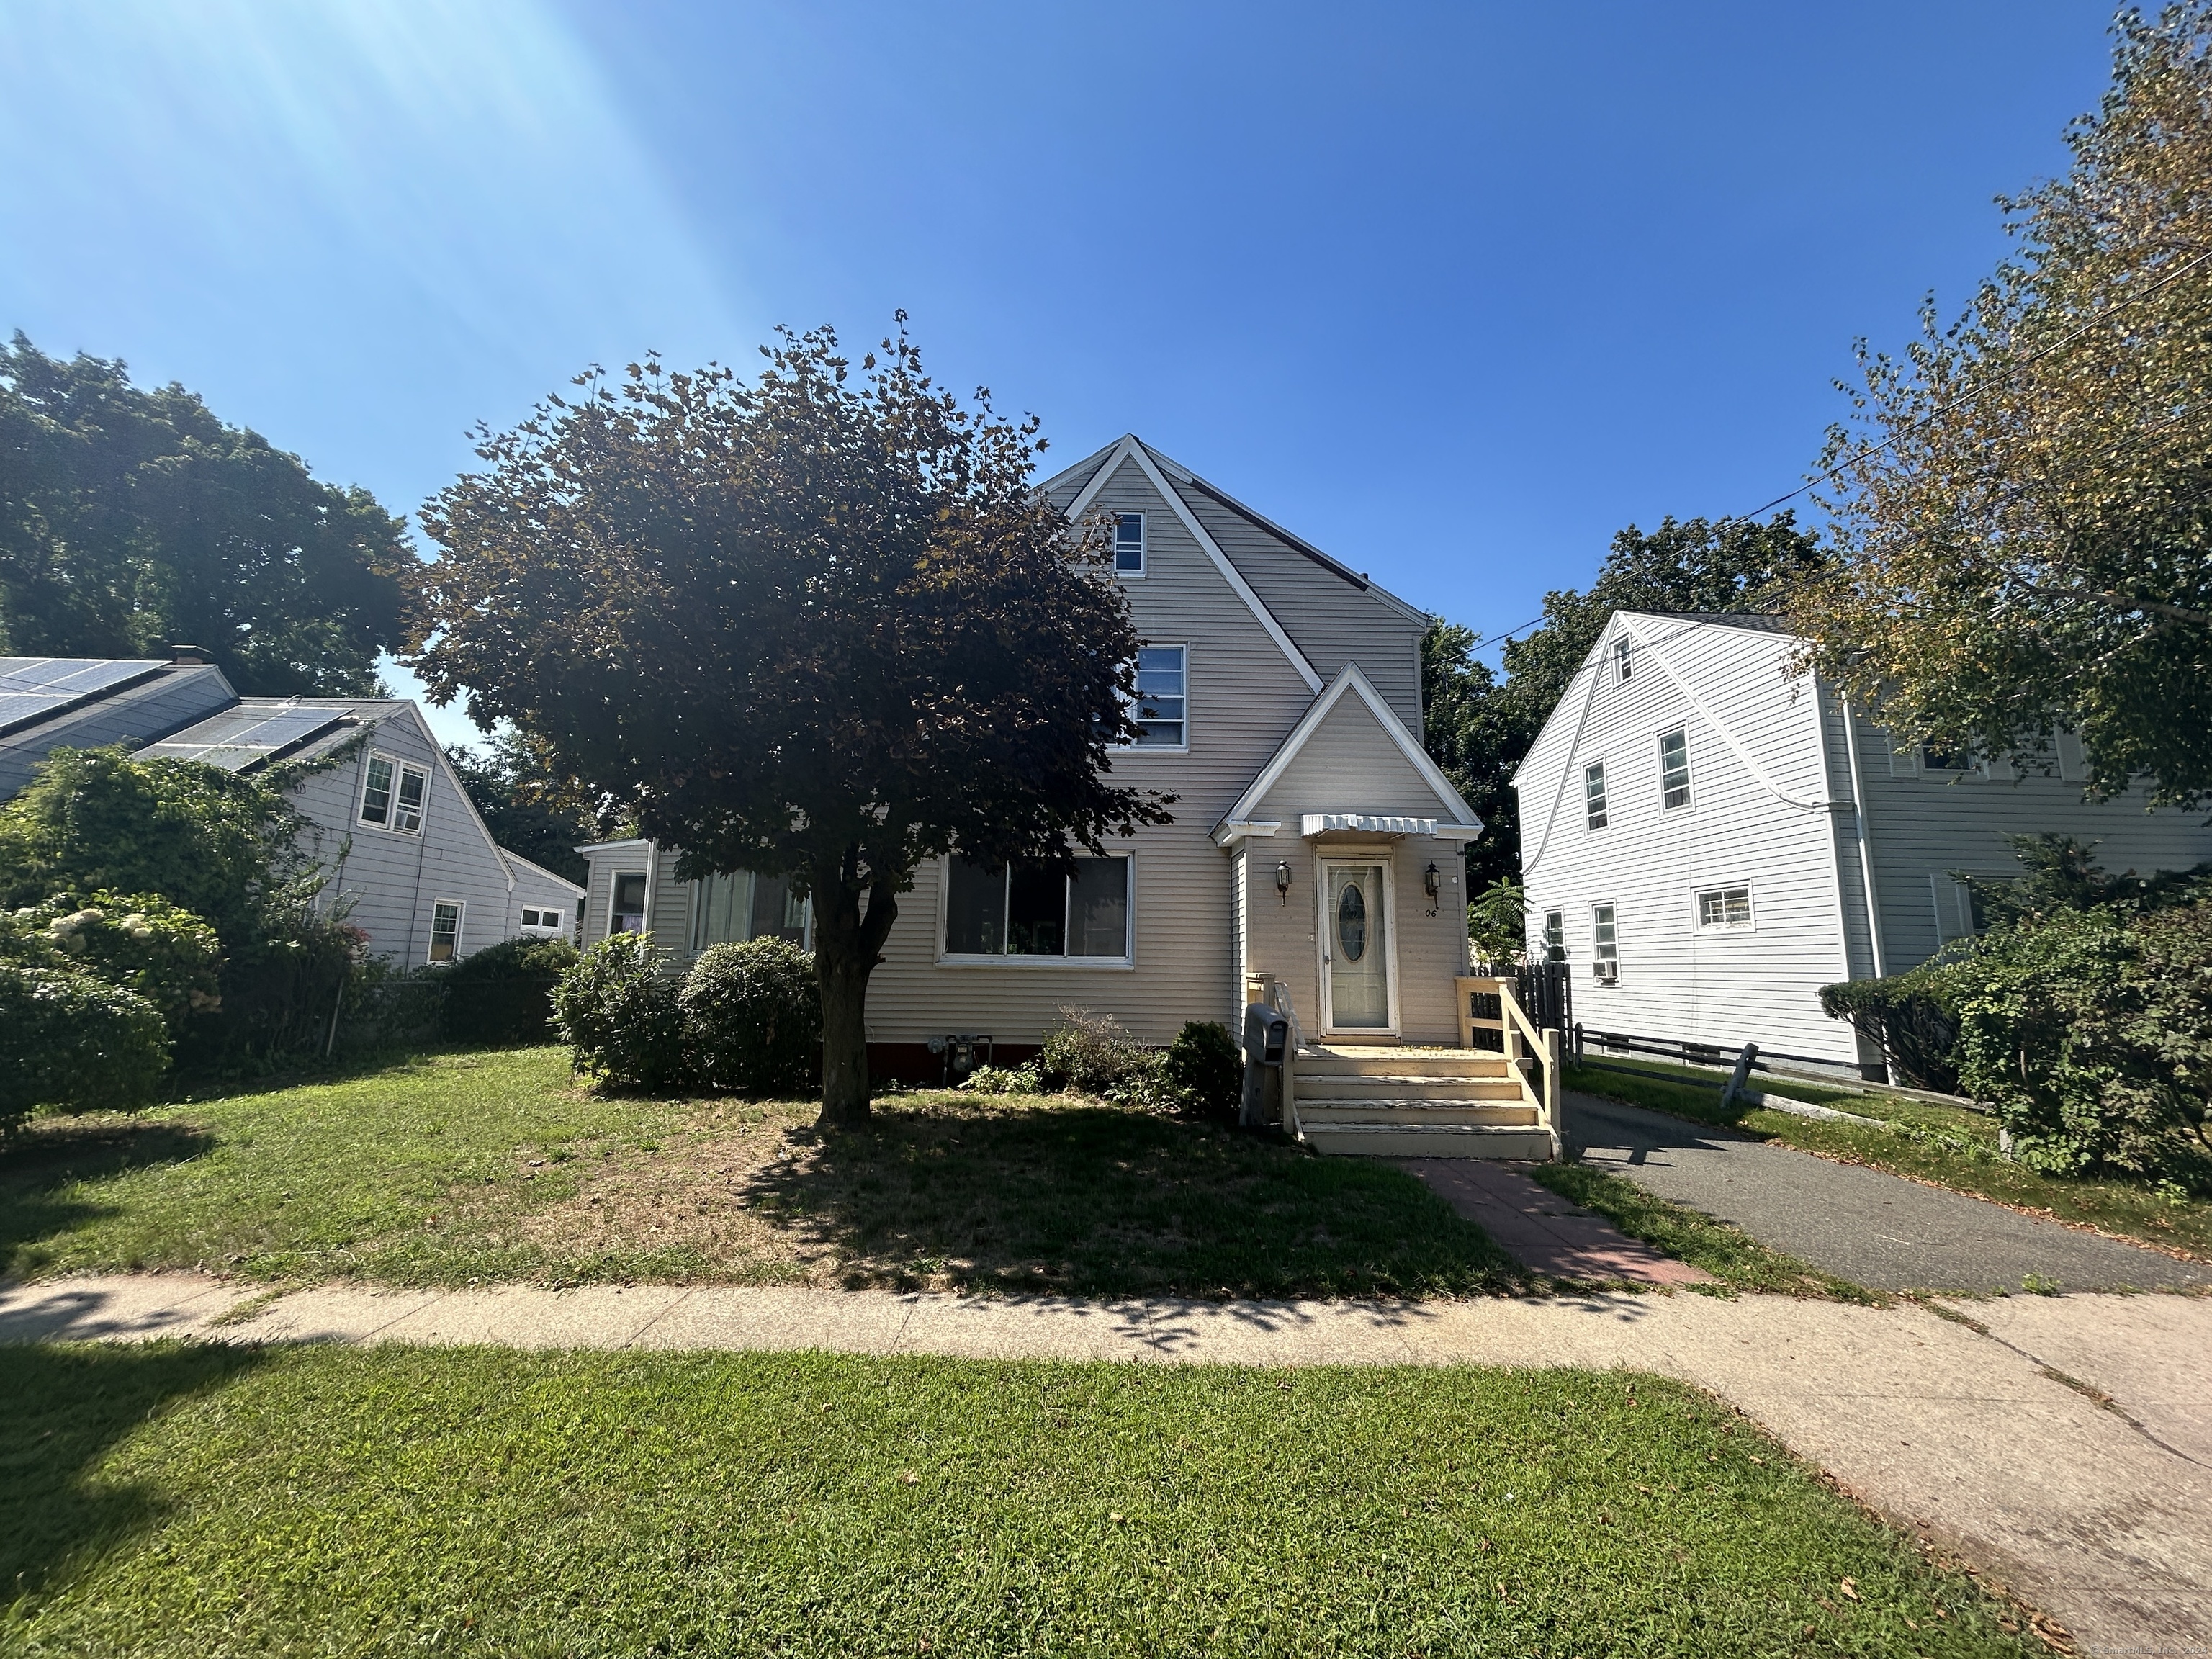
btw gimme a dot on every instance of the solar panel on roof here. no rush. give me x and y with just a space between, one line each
32 689
238 738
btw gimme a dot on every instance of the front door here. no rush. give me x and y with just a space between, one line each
1355 959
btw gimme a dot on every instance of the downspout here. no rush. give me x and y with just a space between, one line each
1866 842
652 888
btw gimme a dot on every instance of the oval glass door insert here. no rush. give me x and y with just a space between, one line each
1352 922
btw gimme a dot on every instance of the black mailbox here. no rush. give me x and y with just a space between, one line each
1266 1033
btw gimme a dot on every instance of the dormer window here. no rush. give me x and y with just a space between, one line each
1129 544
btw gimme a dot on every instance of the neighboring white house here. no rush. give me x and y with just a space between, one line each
412 862
1285 692
1711 840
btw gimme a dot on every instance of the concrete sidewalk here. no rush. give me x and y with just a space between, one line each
1979 1436
1860 1224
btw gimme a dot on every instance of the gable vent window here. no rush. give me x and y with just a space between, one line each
1594 794
1129 544
1159 711
1624 660
1674 771
1723 907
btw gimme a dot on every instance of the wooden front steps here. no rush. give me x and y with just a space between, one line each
1413 1103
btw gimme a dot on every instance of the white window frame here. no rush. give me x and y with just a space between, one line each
1977 768
1603 949
1005 959
1689 792
1144 544
460 921
541 928
1554 933
1749 925
645 899
1604 796
1624 661
1182 748
401 769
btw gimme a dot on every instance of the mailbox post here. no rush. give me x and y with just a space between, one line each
1267 1034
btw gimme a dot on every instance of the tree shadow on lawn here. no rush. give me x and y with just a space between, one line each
68 1408
1068 1195
52 1154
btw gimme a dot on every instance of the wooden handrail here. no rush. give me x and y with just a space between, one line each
1516 1030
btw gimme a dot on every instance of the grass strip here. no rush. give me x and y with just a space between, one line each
1942 1145
455 1169
177 1499
1740 1262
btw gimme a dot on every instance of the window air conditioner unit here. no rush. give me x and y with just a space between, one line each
1606 973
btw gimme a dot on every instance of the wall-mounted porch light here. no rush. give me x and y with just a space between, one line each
1282 881
1432 883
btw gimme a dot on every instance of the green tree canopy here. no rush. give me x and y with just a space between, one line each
822 624
2024 501
1479 726
134 520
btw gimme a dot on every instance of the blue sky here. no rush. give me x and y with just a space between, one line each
1454 291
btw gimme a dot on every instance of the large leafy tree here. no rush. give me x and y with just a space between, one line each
820 625
2024 500
133 519
1479 726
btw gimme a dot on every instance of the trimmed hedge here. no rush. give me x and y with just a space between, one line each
69 1038
753 1018
1906 1014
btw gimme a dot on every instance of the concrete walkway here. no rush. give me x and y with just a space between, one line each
1979 1436
1541 1230
1873 1229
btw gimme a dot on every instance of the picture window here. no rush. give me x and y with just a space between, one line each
1032 910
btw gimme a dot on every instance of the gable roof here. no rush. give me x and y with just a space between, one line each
1350 681
515 861
1128 449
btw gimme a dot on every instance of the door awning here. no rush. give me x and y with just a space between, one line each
1320 824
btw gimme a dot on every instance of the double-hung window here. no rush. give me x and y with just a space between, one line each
1594 794
1129 544
1723 907
392 795
1675 769
1605 947
1624 660
1159 710
1033 910
1555 936
627 914
445 929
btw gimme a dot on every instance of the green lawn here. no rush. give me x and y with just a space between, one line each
456 1168
1943 1145
202 1501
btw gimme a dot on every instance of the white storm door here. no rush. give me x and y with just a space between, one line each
1355 959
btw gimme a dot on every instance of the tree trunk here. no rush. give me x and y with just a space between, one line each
847 945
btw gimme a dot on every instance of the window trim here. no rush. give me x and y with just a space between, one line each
614 892
1689 792
541 927
1144 544
1182 748
400 768
1120 964
461 922
1604 796
1602 949
1624 661
1553 937
1698 895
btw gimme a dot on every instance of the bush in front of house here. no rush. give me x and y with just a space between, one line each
138 941
618 1012
2091 1034
69 1038
753 1018
503 993
1090 1053
1203 1072
1909 1014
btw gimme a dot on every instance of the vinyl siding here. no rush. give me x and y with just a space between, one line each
1924 827
537 889
386 882
1332 621
1727 987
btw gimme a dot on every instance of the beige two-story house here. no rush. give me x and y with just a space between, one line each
1314 840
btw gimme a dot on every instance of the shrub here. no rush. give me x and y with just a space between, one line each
1204 1071
1906 1014
1088 1052
139 941
618 1012
503 993
69 1038
1003 1080
2091 1034
752 1018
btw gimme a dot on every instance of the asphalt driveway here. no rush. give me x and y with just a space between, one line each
1876 1229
